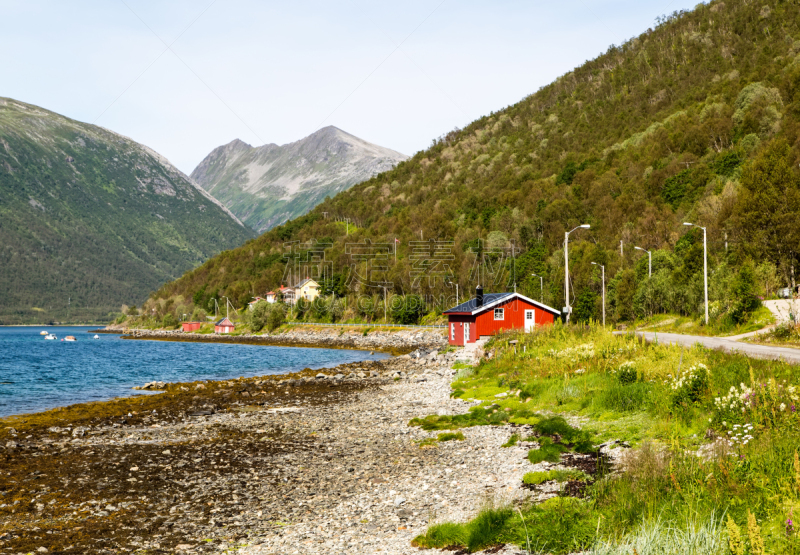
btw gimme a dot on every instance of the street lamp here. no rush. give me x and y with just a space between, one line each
705 264
604 291
451 282
649 261
541 288
566 267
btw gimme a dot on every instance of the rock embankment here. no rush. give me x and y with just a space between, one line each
393 341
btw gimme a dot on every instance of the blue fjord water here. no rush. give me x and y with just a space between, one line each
36 374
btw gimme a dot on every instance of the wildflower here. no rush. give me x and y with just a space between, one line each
793 409
782 407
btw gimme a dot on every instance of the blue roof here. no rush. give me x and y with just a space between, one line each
472 304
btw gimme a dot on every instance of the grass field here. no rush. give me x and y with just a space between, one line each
714 462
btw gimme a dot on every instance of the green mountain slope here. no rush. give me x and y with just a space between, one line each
91 219
270 184
671 126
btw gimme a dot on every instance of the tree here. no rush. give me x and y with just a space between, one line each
276 317
744 294
766 210
621 291
585 306
407 309
259 315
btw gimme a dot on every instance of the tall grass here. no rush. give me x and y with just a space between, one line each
655 537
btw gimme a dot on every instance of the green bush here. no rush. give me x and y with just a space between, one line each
258 315
276 318
626 374
170 321
445 436
547 451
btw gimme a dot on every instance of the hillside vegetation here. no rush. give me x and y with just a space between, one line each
90 219
695 120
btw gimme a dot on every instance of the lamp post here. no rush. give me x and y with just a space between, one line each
452 283
603 268
649 261
705 264
566 267
541 288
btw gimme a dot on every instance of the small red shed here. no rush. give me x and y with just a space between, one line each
224 326
485 315
191 326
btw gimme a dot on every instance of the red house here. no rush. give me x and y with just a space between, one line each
191 326
223 326
485 315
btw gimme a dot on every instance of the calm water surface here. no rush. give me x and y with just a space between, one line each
36 374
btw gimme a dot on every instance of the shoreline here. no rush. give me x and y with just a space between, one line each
395 342
103 467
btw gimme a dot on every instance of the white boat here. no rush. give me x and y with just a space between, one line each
96 336
70 338
50 337
44 333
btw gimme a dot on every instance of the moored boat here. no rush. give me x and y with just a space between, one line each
96 336
43 332
50 337
70 338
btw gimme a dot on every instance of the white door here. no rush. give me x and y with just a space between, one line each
466 333
530 320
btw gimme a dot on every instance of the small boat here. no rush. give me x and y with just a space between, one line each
96 336
50 337
44 333
70 338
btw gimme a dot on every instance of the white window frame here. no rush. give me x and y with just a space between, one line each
452 331
502 313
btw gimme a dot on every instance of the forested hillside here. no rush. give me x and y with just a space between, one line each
695 121
90 219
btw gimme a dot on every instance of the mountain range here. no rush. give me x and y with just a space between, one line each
90 219
267 185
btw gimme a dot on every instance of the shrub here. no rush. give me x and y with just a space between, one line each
626 374
258 315
451 436
170 321
690 386
547 451
276 318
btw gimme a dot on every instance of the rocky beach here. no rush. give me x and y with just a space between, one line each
311 463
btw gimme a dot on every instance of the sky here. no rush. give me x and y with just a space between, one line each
184 77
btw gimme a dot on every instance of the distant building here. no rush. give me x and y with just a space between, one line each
307 289
224 326
289 295
486 315
271 297
191 326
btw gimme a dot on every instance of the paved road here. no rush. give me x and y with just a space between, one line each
756 351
